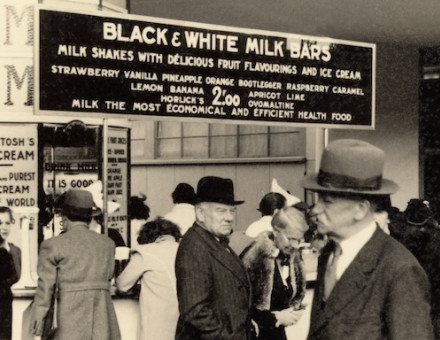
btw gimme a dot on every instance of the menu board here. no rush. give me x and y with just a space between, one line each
104 64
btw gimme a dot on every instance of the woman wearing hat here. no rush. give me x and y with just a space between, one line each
81 263
419 232
275 268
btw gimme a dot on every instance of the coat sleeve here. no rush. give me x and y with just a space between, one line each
47 270
132 272
194 290
408 306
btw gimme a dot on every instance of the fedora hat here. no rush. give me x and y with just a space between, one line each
77 203
216 189
351 166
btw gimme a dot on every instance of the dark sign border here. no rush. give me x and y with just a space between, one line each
88 64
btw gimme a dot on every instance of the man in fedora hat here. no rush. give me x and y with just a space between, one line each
368 285
212 284
81 262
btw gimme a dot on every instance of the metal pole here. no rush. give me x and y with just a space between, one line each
104 173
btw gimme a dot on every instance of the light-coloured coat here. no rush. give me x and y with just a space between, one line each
383 294
84 261
158 306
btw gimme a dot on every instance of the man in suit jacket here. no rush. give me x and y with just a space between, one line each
81 261
368 285
212 284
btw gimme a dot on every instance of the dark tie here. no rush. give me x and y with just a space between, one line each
224 241
330 271
285 259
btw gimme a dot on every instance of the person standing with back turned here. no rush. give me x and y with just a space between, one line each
82 263
212 283
368 285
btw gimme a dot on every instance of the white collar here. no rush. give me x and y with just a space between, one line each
352 246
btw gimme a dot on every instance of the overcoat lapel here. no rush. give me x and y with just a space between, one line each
226 258
351 283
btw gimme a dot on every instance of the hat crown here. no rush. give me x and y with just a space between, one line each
184 193
78 203
216 189
353 158
418 211
350 165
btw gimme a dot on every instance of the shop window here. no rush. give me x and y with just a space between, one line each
177 140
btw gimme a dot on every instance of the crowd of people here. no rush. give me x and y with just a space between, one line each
377 277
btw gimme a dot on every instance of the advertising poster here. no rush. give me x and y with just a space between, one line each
117 180
132 66
18 166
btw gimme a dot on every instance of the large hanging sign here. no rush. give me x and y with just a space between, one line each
134 66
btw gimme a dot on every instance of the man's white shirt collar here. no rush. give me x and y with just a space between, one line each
352 246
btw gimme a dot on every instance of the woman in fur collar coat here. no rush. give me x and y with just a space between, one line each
275 267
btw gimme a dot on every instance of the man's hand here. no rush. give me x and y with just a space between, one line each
37 329
287 317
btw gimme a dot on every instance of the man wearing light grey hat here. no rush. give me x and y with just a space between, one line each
368 285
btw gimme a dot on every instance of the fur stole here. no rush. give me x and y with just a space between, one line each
259 261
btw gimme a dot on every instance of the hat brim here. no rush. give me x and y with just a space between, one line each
311 183
95 212
201 200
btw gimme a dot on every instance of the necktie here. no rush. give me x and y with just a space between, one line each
285 259
330 271
224 241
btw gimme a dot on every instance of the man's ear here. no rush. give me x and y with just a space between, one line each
199 212
362 209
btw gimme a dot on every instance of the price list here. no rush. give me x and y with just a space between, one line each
152 67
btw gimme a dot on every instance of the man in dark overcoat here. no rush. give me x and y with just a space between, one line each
212 284
368 286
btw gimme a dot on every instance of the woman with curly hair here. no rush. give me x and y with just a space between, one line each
153 262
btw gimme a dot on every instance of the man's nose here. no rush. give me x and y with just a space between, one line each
314 210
